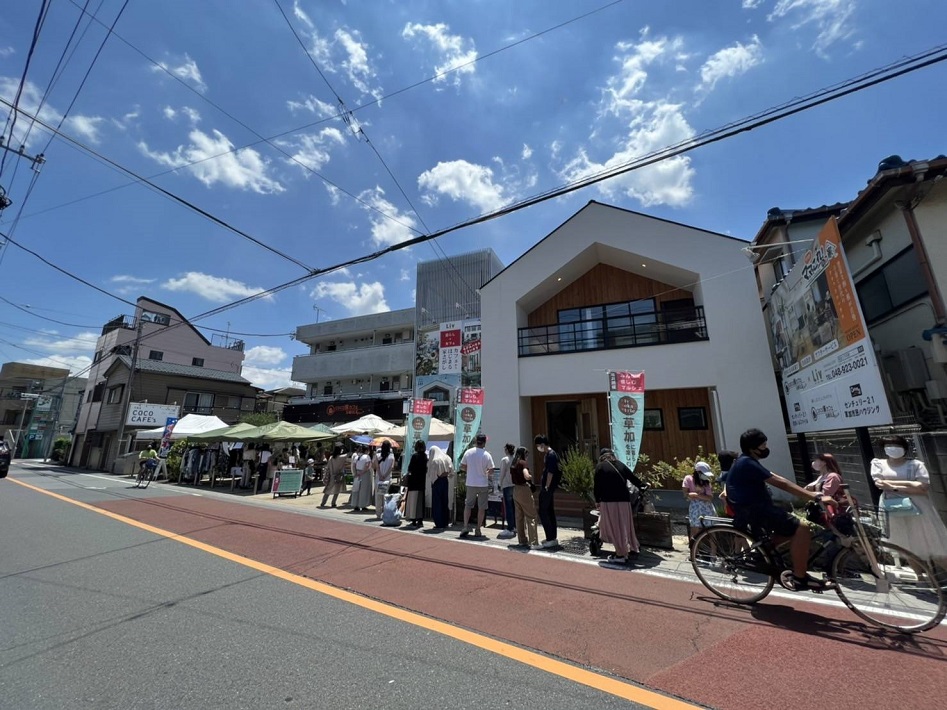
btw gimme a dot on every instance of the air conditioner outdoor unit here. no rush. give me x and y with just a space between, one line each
908 369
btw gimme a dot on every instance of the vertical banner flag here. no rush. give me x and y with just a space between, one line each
166 437
830 376
626 414
417 428
466 420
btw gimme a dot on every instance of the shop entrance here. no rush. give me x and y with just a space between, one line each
572 424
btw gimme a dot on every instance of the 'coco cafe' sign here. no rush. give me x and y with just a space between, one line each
144 414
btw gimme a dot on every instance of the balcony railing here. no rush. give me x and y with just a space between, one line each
655 328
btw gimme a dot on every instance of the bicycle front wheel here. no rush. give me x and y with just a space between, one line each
731 565
904 595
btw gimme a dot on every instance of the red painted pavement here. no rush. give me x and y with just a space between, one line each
662 633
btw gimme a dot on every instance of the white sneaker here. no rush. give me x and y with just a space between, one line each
506 535
535 547
550 543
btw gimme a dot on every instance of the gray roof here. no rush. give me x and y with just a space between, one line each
160 367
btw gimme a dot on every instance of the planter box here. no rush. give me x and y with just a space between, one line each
654 530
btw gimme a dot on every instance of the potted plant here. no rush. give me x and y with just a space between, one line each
578 477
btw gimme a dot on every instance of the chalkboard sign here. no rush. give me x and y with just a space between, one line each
288 482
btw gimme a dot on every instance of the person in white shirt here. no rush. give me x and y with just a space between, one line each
361 496
477 464
383 465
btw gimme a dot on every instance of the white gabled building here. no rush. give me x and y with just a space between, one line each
612 289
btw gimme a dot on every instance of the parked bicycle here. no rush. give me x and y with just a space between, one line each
880 582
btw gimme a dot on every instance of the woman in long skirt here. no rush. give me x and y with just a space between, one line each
441 477
363 488
616 522
335 476
417 479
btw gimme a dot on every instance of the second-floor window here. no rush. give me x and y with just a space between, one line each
156 355
895 284
327 389
199 402
197 361
115 394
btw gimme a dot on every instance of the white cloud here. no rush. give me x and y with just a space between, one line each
345 53
405 276
82 341
86 127
83 127
465 182
211 159
656 125
730 62
638 123
314 105
830 17
74 363
301 15
269 378
357 300
7 52
193 115
264 355
751 4
169 113
622 89
313 150
457 54
186 70
214 288
129 284
394 228
125 121
527 152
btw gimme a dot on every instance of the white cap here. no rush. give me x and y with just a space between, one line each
704 469
311 461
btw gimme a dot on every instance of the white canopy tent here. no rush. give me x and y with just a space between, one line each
369 424
440 431
188 425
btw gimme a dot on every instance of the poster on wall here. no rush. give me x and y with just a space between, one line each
467 420
830 375
626 415
417 427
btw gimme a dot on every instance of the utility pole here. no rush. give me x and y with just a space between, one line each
127 394
27 398
52 432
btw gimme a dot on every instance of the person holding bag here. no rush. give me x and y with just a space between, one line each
613 498
699 493
913 522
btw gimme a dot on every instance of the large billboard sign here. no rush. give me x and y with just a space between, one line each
830 376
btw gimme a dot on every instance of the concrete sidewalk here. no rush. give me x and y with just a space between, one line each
573 544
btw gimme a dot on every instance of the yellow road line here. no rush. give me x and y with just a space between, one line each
605 684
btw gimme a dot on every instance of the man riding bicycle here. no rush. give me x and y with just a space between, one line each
148 458
755 511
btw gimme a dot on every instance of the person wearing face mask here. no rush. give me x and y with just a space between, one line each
828 476
754 510
913 522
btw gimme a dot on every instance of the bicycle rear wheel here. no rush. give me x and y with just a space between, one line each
905 596
731 565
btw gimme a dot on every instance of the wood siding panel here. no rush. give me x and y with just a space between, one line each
664 445
600 285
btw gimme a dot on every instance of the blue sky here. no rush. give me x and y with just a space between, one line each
471 137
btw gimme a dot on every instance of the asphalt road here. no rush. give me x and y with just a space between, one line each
99 613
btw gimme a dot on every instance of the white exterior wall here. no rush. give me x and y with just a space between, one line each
931 216
735 360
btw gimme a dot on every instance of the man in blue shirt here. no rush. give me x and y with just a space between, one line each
754 508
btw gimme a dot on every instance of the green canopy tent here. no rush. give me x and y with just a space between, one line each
323 428
230 433
283 431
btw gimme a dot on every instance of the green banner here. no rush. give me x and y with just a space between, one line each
417 427
626 414
466 420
